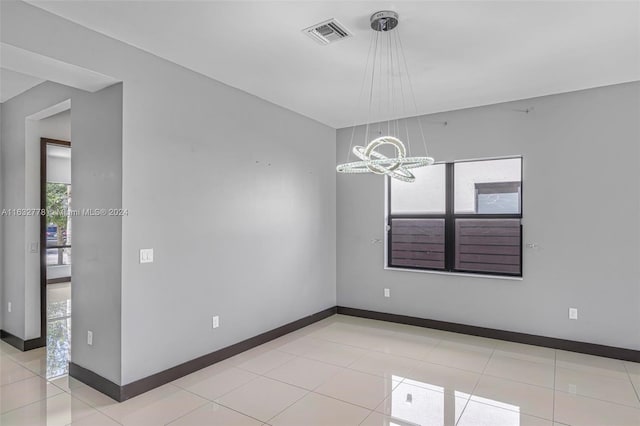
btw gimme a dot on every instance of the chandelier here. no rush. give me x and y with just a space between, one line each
386 49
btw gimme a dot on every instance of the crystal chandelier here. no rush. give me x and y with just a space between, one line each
387 51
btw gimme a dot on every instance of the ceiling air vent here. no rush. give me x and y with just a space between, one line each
327 32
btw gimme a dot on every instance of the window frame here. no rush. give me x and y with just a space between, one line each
450 217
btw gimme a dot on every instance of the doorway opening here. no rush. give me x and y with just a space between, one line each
56 255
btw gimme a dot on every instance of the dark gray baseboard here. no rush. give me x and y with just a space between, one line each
510 336
96 381
23 345
122 393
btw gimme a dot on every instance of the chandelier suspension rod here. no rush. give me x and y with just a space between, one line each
373 161
373 71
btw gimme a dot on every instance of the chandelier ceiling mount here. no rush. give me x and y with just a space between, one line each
388 53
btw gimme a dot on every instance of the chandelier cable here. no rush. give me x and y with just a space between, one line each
373 71
373 161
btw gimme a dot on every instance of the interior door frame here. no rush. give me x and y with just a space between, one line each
44 142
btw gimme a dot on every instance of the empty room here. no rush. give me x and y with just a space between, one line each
319 213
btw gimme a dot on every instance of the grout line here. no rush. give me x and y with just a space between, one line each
619 404
509 379
220 403
287 407
369 415
475 386
350 403
32 402
209 401
555 373
633 386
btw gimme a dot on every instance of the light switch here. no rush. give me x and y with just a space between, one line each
146 255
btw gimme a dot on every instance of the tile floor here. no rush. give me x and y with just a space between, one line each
348 371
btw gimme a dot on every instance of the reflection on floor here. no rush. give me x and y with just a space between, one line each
350 371
58 329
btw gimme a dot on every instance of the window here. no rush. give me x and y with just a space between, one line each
458 217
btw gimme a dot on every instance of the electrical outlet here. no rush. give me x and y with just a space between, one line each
573 313
90 338
387 292
215 323
146 255
9 307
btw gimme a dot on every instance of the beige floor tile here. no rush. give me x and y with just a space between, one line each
300 346
59 410
526 352
215 415
358 388
34 354
533 373
406 345
349 335
247 355
37 366
607 388
378 419
97 419
83 392
385 365
635 381
528 399
444 379
212 383
25 392
304 372
478 414
632 367
7 350
460 355
158 406
319 410
337 354
583 411
591 364
421 406
262 398
477 341
266 361
11 371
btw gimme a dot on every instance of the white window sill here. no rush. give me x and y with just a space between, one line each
458 274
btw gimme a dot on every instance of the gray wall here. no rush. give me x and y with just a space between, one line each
96 181
96 129
236 196
2 305
581 207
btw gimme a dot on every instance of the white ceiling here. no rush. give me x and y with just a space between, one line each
460 54
13 83
43 68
